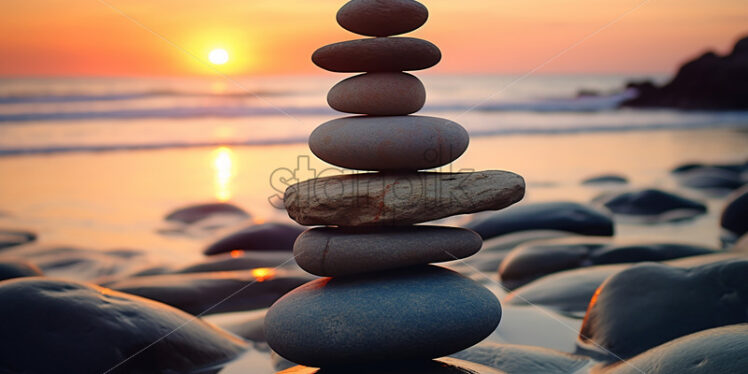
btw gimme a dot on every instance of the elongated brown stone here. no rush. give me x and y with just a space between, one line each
377 54
379 199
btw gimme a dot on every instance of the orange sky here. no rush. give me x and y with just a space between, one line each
85 37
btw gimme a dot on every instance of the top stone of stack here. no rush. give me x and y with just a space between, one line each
382 17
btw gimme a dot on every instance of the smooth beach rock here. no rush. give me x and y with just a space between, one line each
377 55
414 313
378 94
219 292
68 327
650 304
444 365
718 350
382 17
561 216
652 205
194 213
735 216
334 252
519 359
606 179
12 238
264 237
716 180
399 198
10 269
240 260
567 292
389 143
532 261
686 168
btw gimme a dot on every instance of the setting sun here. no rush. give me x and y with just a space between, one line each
218 56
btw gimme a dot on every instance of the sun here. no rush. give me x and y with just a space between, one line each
218 56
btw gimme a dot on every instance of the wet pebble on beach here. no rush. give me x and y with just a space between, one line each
261 237
651 206
10 269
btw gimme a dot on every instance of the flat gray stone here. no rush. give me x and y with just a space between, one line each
382 18
399 198
378 94
333 252
377 55
389 143
409 314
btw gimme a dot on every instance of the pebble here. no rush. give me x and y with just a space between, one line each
10 269
389 143
195 213
377 55
560 216
735 215
378 94
382 17
263 237
54 326
415 313
12 238
652 205
334 252
606 179
718 350
401 198
650 304
218 292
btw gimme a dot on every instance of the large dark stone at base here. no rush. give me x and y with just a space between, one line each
410 314
719 350
54 326
440 366
561 216
649 304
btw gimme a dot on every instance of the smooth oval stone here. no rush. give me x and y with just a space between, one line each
444 365
333 252
406 314
561 216
55 326
718 350
735 216
377 55
195 213
389 143
217 292
606 179
399 199
652 205
513 358
378 94
10 269
382 17
650 304
528 262
12 238
264 237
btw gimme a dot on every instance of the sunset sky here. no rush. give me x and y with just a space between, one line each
88 37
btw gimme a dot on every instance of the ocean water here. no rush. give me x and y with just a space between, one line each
98 162
102 114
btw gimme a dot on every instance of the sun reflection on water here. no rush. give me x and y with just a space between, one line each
223 165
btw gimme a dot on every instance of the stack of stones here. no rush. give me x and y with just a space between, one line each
380 301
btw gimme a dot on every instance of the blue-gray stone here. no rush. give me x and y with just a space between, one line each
54 326
650 304
718 350
413 313
652 204
195 213
264 237
10 269
735 216
561 216
606 179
